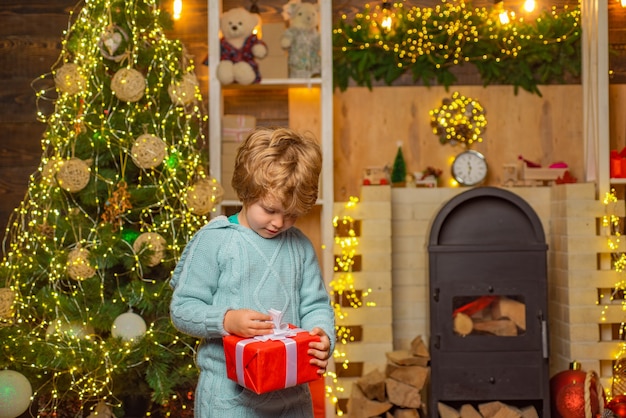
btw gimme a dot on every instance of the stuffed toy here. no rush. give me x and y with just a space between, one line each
302 39
239 48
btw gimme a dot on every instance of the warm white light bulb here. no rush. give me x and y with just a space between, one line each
529 5
504 17
177 9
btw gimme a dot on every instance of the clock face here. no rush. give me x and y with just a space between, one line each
469 168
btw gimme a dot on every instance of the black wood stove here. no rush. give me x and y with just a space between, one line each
488 307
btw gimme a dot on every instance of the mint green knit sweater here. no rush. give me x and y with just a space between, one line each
227 266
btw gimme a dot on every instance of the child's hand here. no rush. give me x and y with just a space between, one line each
320 350
247 323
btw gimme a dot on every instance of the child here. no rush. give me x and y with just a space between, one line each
235 269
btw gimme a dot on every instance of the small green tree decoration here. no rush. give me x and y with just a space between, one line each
398 172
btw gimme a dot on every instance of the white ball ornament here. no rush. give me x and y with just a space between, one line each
15 394
129 326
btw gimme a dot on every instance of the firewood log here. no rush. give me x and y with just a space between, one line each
405 413
446 411
418 348
529 412
373 385
405 358
512 309
403 395
500 327
468 411
415 376
361 407
498 410
463 324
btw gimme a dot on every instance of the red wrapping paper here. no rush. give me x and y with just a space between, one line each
265 366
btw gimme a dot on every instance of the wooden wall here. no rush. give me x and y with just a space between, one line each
368 123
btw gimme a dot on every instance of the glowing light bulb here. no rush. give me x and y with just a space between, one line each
177 9
504 17
529 5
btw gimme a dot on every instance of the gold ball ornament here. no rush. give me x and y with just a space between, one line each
183 92
69 79
7 299
148 151
78 267
73 174
153 242
128 85
202 197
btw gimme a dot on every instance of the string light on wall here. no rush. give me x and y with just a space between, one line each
343 286
364 51
612 225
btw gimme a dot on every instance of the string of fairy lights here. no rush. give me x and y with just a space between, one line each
343 287
384 41
612 225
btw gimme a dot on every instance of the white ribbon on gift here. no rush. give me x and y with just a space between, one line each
240 132
281 332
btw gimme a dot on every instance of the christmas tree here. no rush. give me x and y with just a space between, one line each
398 170
121 188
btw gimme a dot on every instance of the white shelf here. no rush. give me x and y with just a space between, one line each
325 86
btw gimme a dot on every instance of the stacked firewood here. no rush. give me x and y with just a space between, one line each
396 393
487 410
496 315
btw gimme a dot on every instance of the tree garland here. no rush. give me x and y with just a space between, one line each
429 42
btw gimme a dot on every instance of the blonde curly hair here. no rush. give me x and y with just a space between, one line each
278 163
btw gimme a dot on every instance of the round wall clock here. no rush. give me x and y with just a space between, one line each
469 168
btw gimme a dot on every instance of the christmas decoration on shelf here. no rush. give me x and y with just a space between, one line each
413 44
459 120
343 287
84 280
398 170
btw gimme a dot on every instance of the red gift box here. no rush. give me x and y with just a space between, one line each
272 362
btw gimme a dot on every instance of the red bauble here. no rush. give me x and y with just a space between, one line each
618 406
567 394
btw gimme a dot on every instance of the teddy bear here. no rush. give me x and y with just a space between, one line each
239 48
302 39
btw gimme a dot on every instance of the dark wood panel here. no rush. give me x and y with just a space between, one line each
24 55
20 145
18 101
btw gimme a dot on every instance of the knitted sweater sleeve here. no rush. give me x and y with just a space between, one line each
194 282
